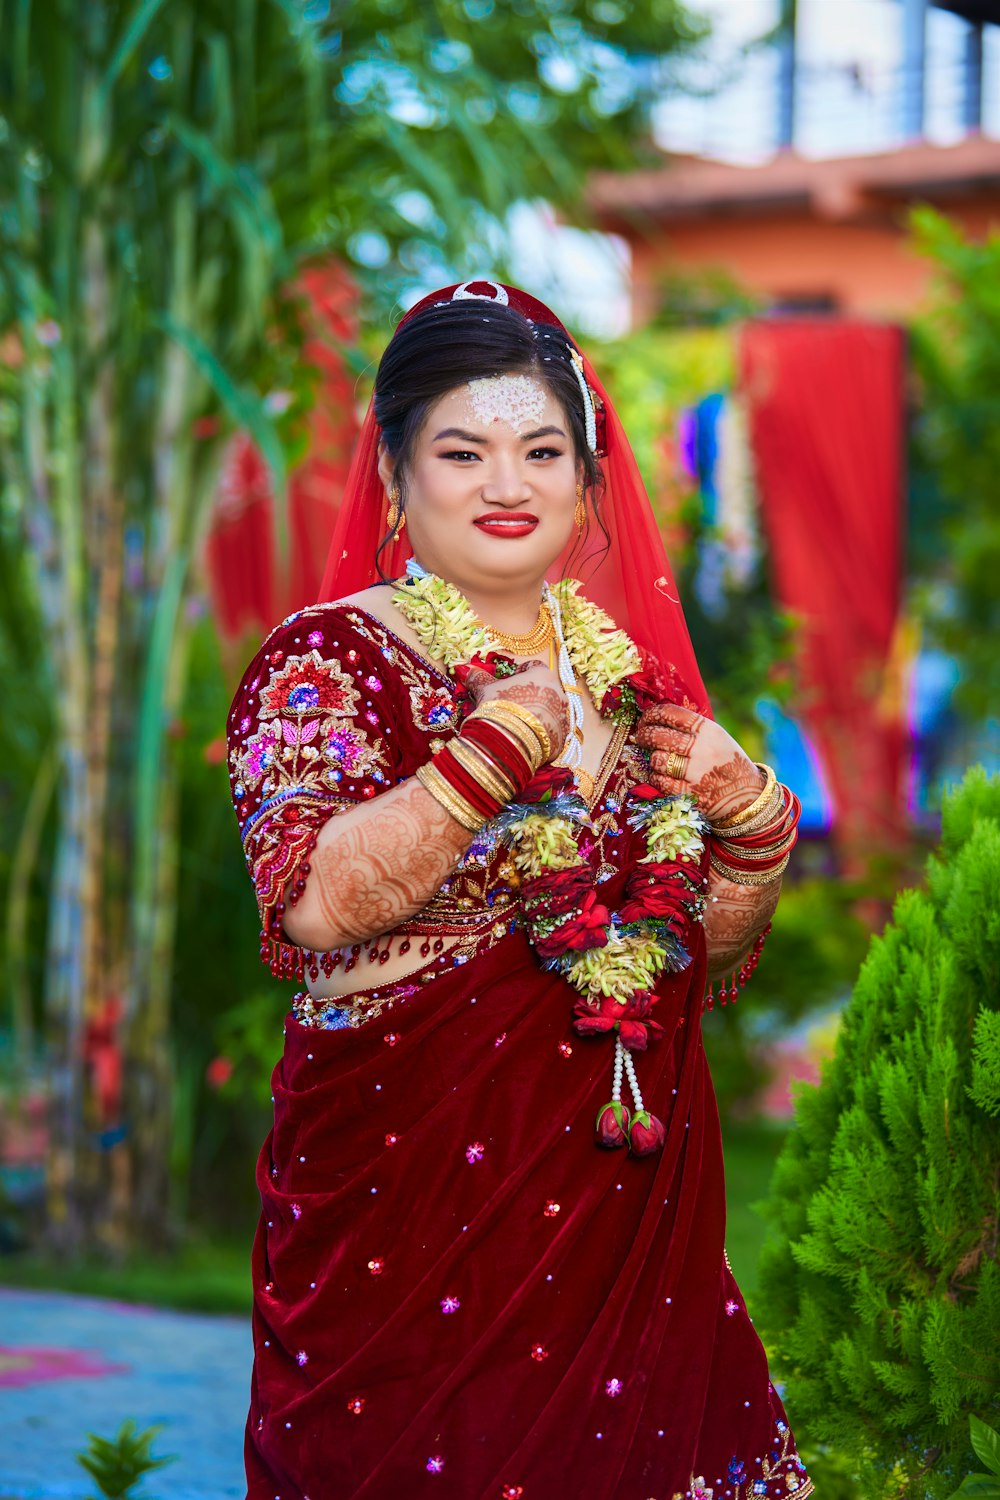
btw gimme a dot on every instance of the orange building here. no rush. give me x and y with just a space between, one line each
805 235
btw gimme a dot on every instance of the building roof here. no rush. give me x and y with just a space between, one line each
842 187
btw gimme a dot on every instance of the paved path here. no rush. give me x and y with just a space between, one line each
73 1365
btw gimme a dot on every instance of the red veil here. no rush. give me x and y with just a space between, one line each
633 580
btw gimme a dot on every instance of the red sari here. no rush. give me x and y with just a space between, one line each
456 1292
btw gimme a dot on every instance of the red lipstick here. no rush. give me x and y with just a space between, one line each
507 523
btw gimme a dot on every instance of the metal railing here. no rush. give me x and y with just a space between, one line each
839 110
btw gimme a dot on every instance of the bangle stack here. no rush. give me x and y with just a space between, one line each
753 847
499 750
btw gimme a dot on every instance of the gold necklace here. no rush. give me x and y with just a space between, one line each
540 635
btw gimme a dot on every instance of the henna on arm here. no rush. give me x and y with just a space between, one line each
725 781
374 867
735 916
730 787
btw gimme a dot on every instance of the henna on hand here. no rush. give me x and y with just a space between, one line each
374 867
719 773
536 688
548 703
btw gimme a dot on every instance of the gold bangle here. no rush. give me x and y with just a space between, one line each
775 812
532 721
522 737
772 813
482 770
496 708
770 851
535 744
781 834
756 806
748 877
455 805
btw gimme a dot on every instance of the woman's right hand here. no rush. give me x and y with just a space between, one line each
536 688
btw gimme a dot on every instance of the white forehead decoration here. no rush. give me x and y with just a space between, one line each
517 400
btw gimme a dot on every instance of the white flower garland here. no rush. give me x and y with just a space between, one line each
607 960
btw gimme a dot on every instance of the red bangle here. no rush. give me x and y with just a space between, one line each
775 832
500 748
742 862
466 784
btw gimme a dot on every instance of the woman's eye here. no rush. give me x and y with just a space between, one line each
545 453
459 454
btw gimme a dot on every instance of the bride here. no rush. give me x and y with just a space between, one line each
503 848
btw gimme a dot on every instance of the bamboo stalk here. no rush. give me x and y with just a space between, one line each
22 871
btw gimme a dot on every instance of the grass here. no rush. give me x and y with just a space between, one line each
215 1277
198 1277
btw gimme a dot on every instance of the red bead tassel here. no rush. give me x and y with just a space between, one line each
729 994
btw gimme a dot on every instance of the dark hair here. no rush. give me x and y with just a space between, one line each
451 343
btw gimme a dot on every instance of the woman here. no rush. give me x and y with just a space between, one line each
506 894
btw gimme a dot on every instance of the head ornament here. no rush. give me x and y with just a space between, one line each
498 293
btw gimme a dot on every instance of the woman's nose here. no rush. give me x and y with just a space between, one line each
506 484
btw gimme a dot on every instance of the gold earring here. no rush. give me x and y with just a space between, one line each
580 513
395 518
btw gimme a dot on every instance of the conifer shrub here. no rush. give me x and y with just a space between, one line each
880 1301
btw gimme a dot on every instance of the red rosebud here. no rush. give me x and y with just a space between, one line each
586 930
612 1125
646 1134
635 1035
660 901
593 1020
557 891
643 792
548 782
611 701
490 663
638 1005
652 683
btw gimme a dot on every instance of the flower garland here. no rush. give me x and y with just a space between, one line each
613 959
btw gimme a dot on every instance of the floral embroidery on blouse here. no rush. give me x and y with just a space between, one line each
303 747
433 708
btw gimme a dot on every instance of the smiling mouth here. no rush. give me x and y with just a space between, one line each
507 523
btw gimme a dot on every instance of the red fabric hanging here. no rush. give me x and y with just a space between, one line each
826 409
240 548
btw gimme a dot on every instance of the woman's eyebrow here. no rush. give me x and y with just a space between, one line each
458 432
539 432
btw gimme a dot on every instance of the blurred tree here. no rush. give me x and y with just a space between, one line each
956 526
881 1299
166 166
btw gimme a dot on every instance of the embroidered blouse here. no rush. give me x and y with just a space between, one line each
333 710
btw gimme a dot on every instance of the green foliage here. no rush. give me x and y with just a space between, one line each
956 350
986 1444
708 297
166 171
118 1464
881 1298
223 1003
198 1275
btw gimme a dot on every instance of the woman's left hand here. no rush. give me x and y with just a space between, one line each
694 756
